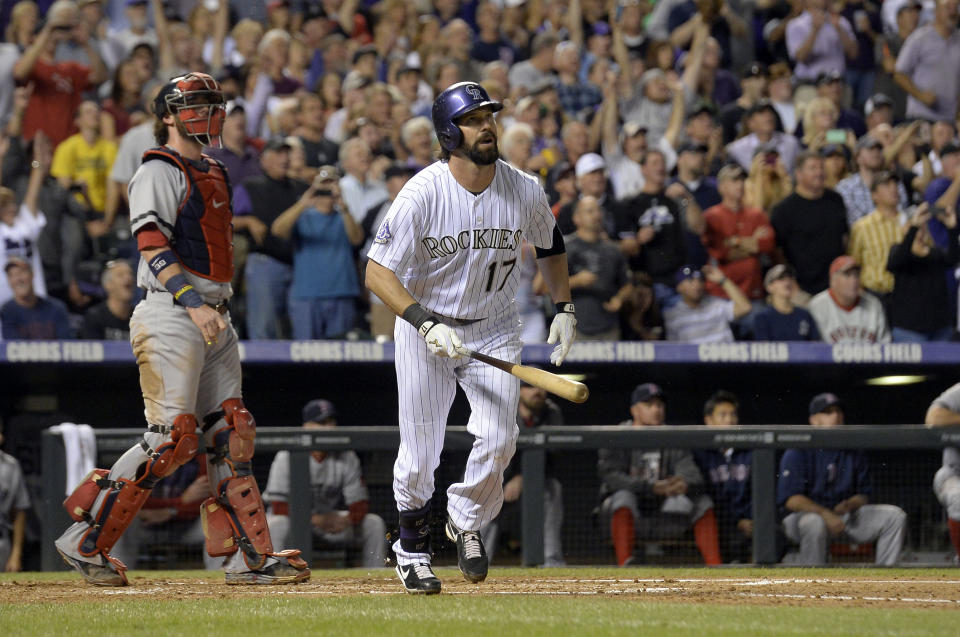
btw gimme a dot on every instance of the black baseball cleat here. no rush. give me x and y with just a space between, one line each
471 556
418 579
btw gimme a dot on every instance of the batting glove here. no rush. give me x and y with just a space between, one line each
442 340
563 328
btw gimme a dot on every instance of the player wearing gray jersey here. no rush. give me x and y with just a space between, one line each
945 412
446 260
14 502
188 358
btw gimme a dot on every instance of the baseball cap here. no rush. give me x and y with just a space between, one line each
318 410
399 170
835 149
633 128
355 81
367 49
687 272
878 100
828 77
601 28
868 141
842 264
777 272
822 402
949 149
646 391
277 143
916 6
761 105
328 173
700 108
691 147
588 163
882 177
731 171
235 106
560 170
13 262
757 69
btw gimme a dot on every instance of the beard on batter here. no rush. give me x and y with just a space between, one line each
483 157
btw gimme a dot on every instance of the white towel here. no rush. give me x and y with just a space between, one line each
80 446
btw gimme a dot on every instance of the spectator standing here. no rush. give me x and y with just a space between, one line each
110 319
58 87
697 317
82 163
888 48
846 314
27 316
651 226
325 289
781 320
871 237
236 152
780 87
258 201
737 237
21 225
920 305
753 82
590 173
14 503
825 494
576 98
768 182
928 67
867 25
534 410
538 69
761 125
340 503
122 42
811 225
819 40
599 280
857 189
360 190
654 493
836 164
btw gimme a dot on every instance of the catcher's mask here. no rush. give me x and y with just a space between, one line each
196 101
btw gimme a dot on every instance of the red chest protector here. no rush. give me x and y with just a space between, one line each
203 233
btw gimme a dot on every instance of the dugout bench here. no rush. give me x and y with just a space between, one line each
765 441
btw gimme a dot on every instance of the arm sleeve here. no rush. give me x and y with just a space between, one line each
242 204
791 479
907 58
396 238
156 190
795 36
278 481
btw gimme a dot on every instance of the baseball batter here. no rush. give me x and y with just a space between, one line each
446 260
945 412
186 350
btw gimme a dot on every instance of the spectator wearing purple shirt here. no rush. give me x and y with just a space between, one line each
819 41
241 159
928 67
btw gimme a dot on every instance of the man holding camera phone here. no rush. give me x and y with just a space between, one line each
324 292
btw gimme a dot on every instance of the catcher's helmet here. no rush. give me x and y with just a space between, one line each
457 100
185 96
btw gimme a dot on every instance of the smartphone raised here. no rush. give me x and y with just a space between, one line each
836 136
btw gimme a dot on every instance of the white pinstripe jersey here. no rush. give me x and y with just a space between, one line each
458 253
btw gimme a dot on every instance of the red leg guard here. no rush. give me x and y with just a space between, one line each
79 503
707 537
622 534
244 498
217 529
119 510
244 429
179 451
954 526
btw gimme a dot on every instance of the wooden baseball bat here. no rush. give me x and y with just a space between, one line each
553 383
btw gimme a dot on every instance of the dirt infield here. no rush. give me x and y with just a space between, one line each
844 589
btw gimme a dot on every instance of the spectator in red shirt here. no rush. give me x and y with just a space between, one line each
57 86
737 237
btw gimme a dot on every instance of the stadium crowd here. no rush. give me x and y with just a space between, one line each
724 169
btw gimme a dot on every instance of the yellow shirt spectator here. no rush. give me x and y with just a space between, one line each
871 237
81 161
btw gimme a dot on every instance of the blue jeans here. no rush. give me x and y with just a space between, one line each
901 335
861 85
322 318
267 281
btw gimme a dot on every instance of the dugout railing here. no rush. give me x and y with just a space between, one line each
765 441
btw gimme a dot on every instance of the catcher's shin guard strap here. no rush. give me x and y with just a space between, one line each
119 510
79 503
182 447
415 530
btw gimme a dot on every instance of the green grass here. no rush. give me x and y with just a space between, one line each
471 615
